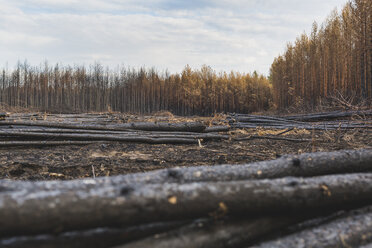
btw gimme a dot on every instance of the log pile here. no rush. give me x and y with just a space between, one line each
317 121
324 198
34 130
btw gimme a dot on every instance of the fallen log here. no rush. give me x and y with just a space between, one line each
145 126
59 210
304 165
217 233
44 143
328 115
317 126
271 138
352 230
96 238
103 137
48 132
217 129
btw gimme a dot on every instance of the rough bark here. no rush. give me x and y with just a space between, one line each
96 238
271 138
329 115
317 126
30 210
44 143
300 121
352 230
216 234
145 126
80 134
217 129
104 137
304 165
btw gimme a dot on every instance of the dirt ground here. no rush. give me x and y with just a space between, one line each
108 159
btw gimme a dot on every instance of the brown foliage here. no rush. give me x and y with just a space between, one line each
81 89
335 59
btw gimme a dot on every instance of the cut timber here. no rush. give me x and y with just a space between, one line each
302 121
80 134
103 137
271 138
304 165
44 143
145 126
216 233
352 230
37 208
98 238
329 115
217 129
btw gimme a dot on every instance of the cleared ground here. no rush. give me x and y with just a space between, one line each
114 158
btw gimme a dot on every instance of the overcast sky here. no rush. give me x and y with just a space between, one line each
240 35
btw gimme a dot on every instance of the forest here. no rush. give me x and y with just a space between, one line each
335 60
80 89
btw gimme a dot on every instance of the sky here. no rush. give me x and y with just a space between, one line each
239 35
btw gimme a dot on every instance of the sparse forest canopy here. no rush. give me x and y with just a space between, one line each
81 89
336 58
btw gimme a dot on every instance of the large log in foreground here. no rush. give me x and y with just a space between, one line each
55 210
230 232
352 230
304 165
217 233
96 238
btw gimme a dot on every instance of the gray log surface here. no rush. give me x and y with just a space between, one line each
96 238
145 126
352 230
58 210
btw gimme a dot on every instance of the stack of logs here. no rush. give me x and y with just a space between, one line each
83 129
308 200
317 121
33 130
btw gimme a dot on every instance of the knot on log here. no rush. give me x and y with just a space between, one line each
293 183
174 174
126 190
296 162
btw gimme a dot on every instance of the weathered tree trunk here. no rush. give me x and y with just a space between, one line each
304 165
217 233
96 238
145 126
31 210
271 138
80 134
352 230
328 115
44 143
217 129
103 137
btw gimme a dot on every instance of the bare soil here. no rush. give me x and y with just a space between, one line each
113 158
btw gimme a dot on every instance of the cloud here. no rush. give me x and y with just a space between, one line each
227 35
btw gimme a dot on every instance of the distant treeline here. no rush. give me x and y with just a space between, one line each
95 88
335 59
